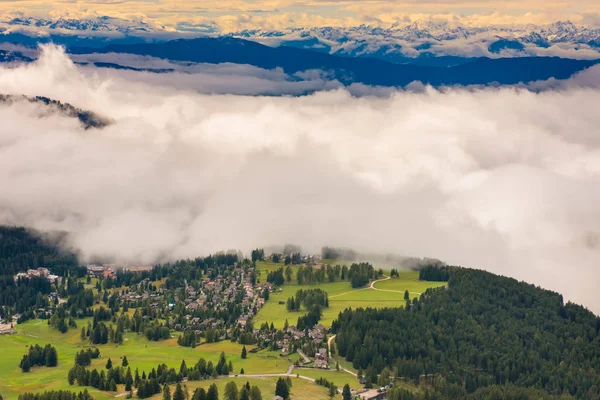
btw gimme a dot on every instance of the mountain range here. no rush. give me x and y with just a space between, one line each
373 56
370 71
420 42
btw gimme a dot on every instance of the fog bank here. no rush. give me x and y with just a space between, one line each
500 179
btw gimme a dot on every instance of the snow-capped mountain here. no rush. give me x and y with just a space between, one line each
424 40
420 42
100 24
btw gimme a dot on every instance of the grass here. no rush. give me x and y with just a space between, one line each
140 352
408 281
339 378
301 388
341 296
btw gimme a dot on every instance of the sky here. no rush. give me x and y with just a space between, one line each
504 179
235 15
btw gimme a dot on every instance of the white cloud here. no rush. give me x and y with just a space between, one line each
500 179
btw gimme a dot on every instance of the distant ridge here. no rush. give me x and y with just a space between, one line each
88 119
477 71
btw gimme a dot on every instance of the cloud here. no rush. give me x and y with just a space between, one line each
503 179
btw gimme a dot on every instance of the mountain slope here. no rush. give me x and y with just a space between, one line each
483 330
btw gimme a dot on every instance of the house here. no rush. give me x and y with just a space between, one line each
373 394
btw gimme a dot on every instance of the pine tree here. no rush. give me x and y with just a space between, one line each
178 394
166 392
108 364
231 391
332 390
124 363
51 357
25 364
200 394
244 353
255 393
213 392
282 389
346 393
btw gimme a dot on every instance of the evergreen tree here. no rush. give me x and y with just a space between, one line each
346 393
124 363
244 394
178 394
200 394
244 353
282 389
166 392
255 393
213 393
51 357
108 364
231 391
183 370
332 390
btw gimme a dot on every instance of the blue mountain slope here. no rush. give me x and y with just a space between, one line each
364 70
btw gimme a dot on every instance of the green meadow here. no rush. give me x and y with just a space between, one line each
140 352
386 293
302 389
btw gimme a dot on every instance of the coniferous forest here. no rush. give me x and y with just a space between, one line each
20 250
482 331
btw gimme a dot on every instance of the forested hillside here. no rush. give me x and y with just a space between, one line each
482 330
19 251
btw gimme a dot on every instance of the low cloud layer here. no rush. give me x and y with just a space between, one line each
501 179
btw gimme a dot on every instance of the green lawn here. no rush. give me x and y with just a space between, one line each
140 352
339 378
301 388
408 281
341 297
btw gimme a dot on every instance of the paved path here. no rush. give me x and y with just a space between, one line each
388 290
371 286
331 358
289 373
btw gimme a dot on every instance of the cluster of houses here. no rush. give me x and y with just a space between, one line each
6 327
136 296
293 336
101 271
199 297
105 271
218 293
43 273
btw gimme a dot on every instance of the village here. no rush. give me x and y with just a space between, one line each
218 306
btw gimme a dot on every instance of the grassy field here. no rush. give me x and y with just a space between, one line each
341 296
339 378
301 389
140 352
408 281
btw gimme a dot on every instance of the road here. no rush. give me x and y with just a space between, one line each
372 286
331 358
289 373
